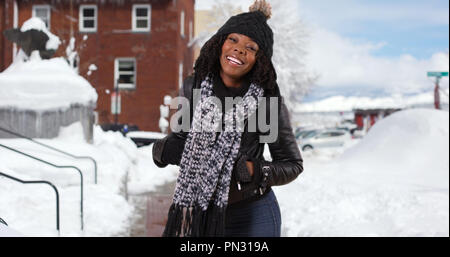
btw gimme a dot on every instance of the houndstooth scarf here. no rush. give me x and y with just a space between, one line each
201 193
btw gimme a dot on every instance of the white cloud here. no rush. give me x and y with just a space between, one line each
341 62
411 12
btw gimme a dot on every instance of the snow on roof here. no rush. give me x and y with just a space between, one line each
43 85
37 24
349 103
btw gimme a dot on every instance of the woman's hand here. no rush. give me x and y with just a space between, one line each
249 167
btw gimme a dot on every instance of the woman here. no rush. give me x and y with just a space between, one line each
224 185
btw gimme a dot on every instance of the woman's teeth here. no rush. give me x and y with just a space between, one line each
234 60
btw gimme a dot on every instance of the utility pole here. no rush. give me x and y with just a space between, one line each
438 75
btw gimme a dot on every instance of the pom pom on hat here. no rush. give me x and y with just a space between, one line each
262 6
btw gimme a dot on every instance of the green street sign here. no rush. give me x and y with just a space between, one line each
437 74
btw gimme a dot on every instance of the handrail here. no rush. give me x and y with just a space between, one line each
3 222
53 148
39 182
56 166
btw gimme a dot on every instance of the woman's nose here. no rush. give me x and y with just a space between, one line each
239 49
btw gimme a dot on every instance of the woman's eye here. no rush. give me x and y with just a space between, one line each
252 48
232 39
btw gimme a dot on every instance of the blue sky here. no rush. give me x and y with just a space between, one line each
416 27
369 47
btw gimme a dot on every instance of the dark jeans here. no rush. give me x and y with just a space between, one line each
259 218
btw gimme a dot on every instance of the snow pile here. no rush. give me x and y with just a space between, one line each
122 168
395 182
145 176
37 24
43 84
343 103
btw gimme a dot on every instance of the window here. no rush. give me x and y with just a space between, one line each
180 75
88 18
182 24
42 12
141 17
125 73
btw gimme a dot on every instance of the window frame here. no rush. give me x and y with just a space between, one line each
81 18
182 23
49 13
117 73
180 74
191 30
134 27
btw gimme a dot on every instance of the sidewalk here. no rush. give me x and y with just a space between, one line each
158 204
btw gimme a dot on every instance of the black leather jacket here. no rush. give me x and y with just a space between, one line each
285 166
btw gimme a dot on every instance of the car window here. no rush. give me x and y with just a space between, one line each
336 134
323 135
310 134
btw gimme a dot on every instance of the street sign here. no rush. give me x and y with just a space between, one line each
437 74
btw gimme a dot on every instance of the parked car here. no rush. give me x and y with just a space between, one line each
143 138
305 133
324 138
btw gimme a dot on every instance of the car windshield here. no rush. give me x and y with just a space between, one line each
310 134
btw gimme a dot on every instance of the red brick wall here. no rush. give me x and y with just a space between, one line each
6 21
2 48
157 53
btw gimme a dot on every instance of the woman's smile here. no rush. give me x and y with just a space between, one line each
237 59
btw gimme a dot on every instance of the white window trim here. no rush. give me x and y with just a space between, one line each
133 17
44 6
191 30
180 75
182 18
81 18
116 74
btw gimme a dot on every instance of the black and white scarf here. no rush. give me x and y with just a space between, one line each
201 193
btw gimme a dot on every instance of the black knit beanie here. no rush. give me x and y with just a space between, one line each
254 25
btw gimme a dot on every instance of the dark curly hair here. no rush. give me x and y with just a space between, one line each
262 73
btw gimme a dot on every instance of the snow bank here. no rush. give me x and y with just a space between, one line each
31 209
145 176
410 146
43 85
394 182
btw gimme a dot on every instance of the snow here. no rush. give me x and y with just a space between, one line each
145 134
43 85
31 209
348 103
394 182
5 231
37 24
91 68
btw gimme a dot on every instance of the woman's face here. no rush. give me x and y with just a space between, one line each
238 56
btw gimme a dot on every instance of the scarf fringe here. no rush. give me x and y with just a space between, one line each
194 222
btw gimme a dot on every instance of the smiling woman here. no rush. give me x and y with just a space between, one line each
224 185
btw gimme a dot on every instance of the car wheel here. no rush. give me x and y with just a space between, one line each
307 148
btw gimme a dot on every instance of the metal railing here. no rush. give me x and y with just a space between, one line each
39 182
59 167
54 149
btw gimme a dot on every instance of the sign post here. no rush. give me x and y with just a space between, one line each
115 105
438 75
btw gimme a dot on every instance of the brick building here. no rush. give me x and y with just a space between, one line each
139 46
